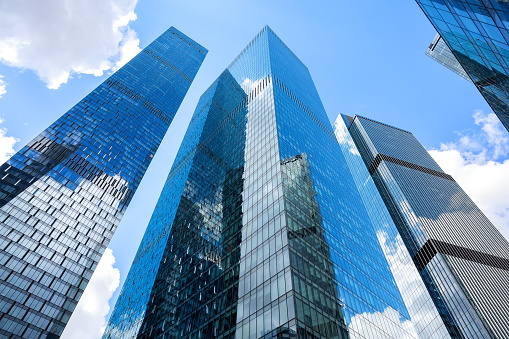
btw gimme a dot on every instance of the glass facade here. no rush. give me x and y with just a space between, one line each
424 314
260 231
64 193
477 34
461 257
441 53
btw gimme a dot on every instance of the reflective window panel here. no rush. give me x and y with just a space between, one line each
423 312
440 52
260 231
63 195
462 258
476 33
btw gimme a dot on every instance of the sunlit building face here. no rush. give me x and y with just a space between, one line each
63 194
436 230
260 231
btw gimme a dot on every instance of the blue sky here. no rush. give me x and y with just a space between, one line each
365 57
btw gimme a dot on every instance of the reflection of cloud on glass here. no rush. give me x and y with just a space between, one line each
407 210
399 203
398 256
400 326
119 184
423 312
343 137
451 223
392 326
248 85
255 87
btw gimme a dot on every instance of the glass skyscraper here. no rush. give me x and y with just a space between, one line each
64 193
423 312
260 231
462 258
477 34
441 53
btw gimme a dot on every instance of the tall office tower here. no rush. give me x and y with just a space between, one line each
63 195
425 315
462 258
260 231
477 34
441 53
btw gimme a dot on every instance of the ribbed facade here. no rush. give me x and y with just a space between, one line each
64 193
476 32
441 53
260 231
460 255
423 312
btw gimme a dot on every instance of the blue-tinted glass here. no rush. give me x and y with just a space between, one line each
260 231
477 37
424 314
63 195
441 53
452 244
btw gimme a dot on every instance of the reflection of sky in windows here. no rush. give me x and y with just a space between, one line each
437 221
477 37
263 120
64 193
440 52
424 315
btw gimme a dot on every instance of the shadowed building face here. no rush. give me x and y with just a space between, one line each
260 231
64 193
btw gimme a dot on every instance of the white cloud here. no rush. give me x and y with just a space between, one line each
387 325
3 86
88 320
59 38
6 144
478 162
129 48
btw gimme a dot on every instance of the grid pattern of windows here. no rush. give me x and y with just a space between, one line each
330 236
63 195
450 240
476 32
440 52
424 314
250 238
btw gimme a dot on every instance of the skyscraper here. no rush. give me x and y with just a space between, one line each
441 53
462 258
425 315
64 193
477 34
260 231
